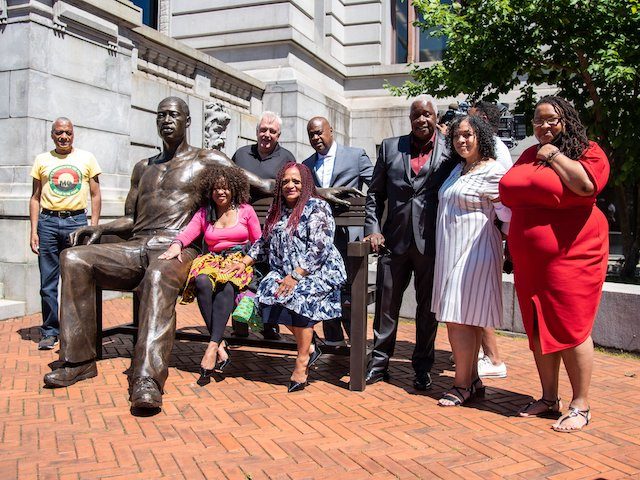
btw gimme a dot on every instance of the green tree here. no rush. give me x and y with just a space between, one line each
588 49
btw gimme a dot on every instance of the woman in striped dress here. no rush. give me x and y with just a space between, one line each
467 285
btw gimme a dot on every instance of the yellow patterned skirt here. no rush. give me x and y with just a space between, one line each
211 265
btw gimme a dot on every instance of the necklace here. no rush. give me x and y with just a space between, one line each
466 168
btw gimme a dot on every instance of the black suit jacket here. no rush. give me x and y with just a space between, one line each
351 168
411 202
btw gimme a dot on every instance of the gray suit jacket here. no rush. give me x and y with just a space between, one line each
351 168
411 202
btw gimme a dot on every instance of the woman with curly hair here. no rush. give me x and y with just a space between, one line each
559 244
229 225
467 280
306 269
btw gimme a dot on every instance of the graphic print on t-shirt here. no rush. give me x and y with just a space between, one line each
65 180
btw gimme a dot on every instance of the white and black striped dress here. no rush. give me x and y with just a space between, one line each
467 283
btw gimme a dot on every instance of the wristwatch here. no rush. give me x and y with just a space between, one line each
296 276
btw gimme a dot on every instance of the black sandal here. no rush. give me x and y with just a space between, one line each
572 413
458 399
553 408
477 388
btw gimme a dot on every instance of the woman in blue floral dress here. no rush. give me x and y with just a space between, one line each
307 271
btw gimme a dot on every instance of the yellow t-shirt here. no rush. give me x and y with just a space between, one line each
65 178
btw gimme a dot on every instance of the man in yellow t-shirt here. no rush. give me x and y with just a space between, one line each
61 180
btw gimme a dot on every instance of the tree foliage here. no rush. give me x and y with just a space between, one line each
588 49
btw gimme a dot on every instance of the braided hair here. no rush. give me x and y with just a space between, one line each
212 177
483 132
308 191
573 140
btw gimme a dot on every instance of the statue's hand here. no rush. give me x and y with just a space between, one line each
93 232
333 194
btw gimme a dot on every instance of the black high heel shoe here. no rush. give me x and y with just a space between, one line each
317 353
296 386
225 363
206 372
205 376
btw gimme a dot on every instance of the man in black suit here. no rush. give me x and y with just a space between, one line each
406 179
335 165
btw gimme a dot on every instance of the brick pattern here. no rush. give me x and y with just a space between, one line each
247 426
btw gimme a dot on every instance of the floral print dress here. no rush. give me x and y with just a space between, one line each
310 246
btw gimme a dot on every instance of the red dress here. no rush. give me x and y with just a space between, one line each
559 242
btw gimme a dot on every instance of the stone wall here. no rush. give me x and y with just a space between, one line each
94 62
617 324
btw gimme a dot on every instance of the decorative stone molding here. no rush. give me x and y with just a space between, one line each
216 120
3 11
164 60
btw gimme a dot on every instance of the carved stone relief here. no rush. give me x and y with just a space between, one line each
216 120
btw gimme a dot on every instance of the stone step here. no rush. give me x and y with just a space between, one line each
11 309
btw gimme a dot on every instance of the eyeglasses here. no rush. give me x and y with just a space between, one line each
552 122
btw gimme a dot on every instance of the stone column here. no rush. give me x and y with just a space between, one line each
164 16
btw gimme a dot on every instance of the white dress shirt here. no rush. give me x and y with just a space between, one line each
503 155
324 166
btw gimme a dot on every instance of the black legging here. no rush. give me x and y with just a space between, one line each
215 306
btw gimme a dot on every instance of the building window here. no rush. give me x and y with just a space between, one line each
149 12
411 43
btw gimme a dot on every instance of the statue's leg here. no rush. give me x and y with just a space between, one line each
117 266
158 292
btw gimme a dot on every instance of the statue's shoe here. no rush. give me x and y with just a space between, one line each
70 373
145 393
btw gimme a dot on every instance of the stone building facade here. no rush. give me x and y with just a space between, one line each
327 57
95 62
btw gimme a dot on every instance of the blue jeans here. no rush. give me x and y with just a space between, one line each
53 233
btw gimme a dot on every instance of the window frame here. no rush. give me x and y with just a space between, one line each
413 34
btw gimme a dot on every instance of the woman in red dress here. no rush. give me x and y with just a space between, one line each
559 243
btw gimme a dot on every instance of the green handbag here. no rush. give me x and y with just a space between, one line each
246 312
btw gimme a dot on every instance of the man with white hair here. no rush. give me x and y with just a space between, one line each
264 159
405 183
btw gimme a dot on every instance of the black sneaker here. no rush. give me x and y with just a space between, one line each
48 342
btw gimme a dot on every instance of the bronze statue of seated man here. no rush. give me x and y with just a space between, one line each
160 202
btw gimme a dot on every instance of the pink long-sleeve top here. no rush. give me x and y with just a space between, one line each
246 230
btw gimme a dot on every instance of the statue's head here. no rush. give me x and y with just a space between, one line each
173 119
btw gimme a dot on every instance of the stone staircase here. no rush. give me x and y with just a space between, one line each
10 308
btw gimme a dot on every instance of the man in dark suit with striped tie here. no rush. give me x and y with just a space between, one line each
406 179
335 165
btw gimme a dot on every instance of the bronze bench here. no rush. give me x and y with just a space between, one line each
362 294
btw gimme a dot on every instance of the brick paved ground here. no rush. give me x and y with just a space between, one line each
247 426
